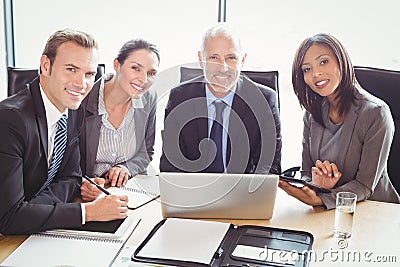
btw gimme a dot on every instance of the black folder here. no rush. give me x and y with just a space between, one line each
286 244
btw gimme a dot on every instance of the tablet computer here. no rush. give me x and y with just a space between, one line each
300 182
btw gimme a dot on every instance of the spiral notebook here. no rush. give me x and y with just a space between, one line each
140 189
94 244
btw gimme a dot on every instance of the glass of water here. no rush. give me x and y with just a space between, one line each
345 208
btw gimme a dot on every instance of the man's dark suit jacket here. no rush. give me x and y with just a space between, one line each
23 161
254 143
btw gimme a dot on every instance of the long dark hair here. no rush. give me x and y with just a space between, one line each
309 99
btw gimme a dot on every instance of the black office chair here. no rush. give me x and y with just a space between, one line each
268 78
19 77
385 84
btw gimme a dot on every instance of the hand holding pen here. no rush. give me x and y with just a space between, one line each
88 193
105 208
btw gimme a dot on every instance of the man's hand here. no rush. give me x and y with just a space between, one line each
107 208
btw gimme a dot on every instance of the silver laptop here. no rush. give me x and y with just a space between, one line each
218 195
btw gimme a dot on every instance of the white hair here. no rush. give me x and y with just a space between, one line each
221 29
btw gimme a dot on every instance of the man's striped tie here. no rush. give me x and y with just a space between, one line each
60 140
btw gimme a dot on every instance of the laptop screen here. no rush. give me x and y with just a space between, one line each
218 195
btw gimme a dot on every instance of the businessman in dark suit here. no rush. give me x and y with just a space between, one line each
222 121
32 199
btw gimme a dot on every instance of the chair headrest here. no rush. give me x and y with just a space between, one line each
384 84
268 78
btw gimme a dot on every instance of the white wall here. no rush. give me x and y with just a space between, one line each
271 32
3 69
174 25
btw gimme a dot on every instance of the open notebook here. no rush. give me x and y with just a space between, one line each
140 189
94 244
196 243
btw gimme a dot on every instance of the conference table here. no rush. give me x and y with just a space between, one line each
374 241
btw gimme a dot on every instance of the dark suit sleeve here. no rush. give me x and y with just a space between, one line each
167 145
275 168
20 212
276 165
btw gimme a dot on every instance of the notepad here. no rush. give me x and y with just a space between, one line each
140 190
190 243
87 246
175 240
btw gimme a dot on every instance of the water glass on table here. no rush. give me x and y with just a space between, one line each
345 208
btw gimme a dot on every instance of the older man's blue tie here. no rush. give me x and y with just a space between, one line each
217 164
60 140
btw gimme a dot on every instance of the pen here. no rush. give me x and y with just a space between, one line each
98 186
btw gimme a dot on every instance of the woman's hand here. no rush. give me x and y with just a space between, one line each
304 194
90 192
117 176
325 174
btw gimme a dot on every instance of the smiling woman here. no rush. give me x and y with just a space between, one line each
118 139
321 70
347 131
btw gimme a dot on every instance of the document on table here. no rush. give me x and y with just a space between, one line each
48 251
140 190
186 240
65 247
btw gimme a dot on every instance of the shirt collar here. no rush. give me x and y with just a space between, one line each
102 108
52 113
228 99
138 102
